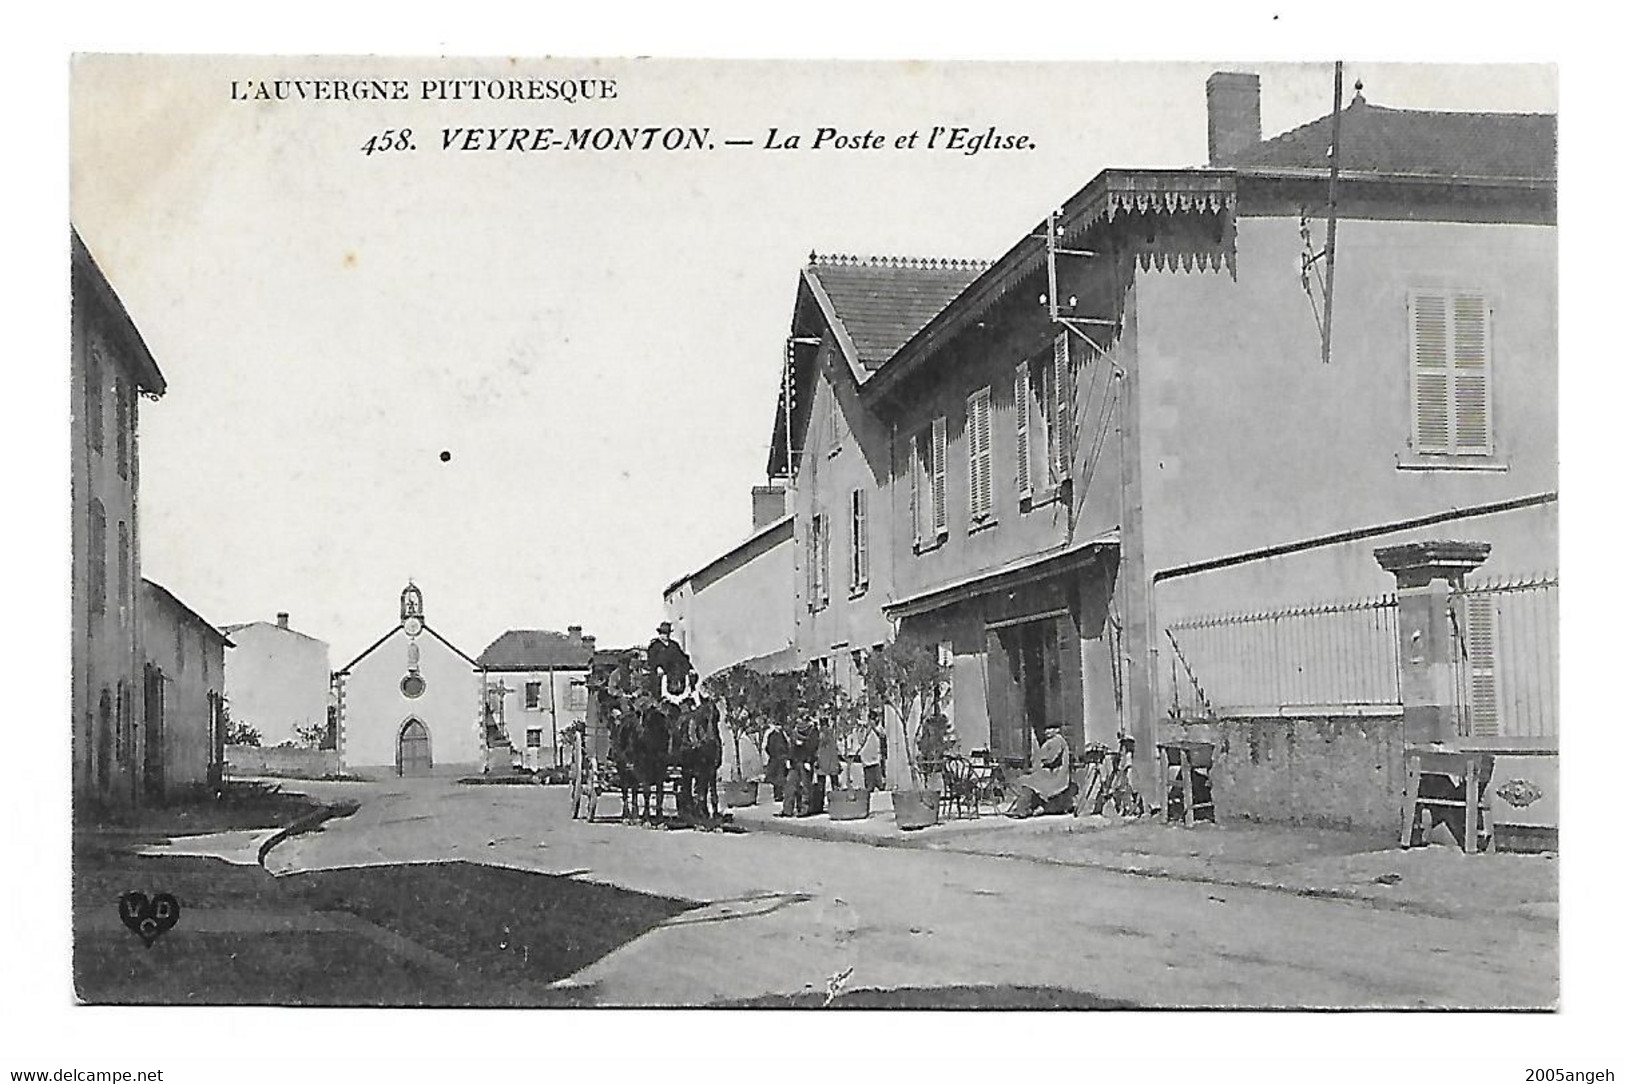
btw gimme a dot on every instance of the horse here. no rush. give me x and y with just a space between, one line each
649 753
697 749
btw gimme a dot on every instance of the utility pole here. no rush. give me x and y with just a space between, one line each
1331 212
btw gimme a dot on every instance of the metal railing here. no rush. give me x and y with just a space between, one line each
1507 665
1340 653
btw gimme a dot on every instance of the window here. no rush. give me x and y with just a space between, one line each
578 696
979 454
98 558
929 479
121 426
860 541
1450 374
95 368
533 738
533 695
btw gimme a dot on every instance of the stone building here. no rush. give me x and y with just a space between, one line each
184 683
111 369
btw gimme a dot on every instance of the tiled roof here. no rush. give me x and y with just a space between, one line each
537 649
1378 139
881 301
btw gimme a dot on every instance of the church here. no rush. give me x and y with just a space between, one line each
410 704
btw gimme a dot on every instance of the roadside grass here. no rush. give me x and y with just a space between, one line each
240 805
510 932
514 931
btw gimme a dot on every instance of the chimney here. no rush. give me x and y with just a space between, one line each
282 620
574 632
1233 122
766 505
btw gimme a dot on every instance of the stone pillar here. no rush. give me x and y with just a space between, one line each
1426 573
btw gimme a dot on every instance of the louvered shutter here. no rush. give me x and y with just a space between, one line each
1482 692
1430 372
1471 371
812 564
1061 427
916 488
939 475
1024 471
823 571
860 538
977 422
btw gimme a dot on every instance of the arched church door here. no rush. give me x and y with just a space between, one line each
412 752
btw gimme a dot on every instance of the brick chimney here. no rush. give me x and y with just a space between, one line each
282 620
1233 122
574 632
766 505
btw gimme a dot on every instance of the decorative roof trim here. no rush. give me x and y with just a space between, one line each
915 263
1111 193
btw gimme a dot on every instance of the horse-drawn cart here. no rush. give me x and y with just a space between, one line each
639 747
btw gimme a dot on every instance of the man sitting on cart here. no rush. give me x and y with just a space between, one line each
667 657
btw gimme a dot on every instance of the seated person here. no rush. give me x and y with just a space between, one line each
1048 788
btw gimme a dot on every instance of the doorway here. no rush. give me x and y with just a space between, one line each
412 755
1035 676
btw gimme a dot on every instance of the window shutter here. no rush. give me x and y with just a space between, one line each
812 563
1024 472
860 536
1430 372
1482 695
823 571
1470 370
1062 426
915 466
939 474
980 461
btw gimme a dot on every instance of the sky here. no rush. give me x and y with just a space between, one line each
594 338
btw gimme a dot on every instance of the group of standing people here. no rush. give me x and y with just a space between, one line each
803 763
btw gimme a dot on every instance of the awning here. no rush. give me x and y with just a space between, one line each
1024 570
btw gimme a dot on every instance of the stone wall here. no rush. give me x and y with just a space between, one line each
1329 771
281 760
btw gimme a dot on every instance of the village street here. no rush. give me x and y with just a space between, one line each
766 919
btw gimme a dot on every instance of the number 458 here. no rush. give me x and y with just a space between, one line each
389 140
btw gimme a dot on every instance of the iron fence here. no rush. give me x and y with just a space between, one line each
1343 653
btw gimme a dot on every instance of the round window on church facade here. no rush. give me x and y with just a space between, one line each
412 686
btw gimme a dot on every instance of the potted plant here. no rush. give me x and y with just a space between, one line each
845 719
903 680
738 691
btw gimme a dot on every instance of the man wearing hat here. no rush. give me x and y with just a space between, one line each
666 655
1048 788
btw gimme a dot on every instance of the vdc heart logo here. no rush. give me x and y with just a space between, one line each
149 919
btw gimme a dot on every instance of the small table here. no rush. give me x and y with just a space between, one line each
1181 765
1431 784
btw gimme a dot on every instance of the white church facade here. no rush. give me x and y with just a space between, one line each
410 704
